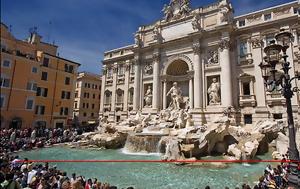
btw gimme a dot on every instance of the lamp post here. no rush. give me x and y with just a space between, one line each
281 81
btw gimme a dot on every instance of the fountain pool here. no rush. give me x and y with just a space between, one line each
147 175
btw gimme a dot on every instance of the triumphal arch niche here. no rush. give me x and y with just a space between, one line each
177 71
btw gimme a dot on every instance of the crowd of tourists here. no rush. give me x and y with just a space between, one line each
17 174
13 139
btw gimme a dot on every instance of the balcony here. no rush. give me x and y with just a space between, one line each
247 100
119 106
121 79
107 107
275 98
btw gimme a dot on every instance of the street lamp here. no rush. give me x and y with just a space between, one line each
274 79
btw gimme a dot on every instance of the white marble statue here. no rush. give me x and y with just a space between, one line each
189 120
148 97
185 7
175 93
179 119
213 92
168 12
146 120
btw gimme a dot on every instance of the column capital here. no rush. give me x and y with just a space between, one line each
196 47
256 42
224 44
156 57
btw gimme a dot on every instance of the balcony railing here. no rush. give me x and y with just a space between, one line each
275 98
247 100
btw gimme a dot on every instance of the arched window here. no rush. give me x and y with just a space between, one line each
120 96
107 95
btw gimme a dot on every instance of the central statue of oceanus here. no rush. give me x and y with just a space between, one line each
176 95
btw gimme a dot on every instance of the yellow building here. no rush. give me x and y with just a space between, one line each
37 86
87 99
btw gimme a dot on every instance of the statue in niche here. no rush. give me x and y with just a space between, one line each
213 92
213 57
175 93
148 97
148 69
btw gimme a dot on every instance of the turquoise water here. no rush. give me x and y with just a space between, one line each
147 175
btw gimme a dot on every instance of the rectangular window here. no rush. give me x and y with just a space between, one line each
66 111
63 95
242 23
267 17
2 101
87 105
109 72
6 63
61 111
46 62
85 85
94 96
29 104
68 95
121 70
83 105
76 94
69 68
277 116
31 86
44 76
34 70
42 92
67 81
248 119
246 88
243 49
75 105
39 110
93 106
4 82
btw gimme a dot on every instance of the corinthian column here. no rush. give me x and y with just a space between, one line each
102 89
226 83
198 87
156 82
137 84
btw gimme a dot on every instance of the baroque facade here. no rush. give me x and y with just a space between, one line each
211 57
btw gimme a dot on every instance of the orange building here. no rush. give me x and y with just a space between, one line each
87 98
37 86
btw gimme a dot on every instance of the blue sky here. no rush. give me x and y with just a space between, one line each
84 29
